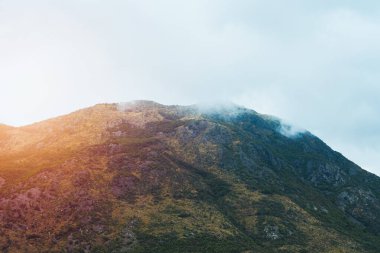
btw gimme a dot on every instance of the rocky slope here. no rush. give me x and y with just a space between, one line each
144 177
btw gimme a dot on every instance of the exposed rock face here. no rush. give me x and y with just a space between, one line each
327 174
362 205
144 177
272 232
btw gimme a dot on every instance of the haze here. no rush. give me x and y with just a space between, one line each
314 64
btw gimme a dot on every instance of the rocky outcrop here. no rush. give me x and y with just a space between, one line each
361 205
322 174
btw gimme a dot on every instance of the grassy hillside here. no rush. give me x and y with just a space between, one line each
143 177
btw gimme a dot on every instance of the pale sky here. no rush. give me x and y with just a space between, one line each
315 64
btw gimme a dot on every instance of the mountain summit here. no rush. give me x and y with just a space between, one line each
145 177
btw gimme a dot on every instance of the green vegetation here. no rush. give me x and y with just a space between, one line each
153 178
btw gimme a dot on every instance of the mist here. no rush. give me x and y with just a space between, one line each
290 131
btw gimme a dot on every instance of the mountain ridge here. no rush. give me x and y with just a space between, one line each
143 177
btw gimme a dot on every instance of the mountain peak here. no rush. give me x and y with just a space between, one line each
142 177
138 104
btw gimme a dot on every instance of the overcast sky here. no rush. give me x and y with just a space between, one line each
315 64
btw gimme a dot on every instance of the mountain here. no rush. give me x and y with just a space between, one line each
145 177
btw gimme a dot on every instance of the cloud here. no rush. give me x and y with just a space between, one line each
290 131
